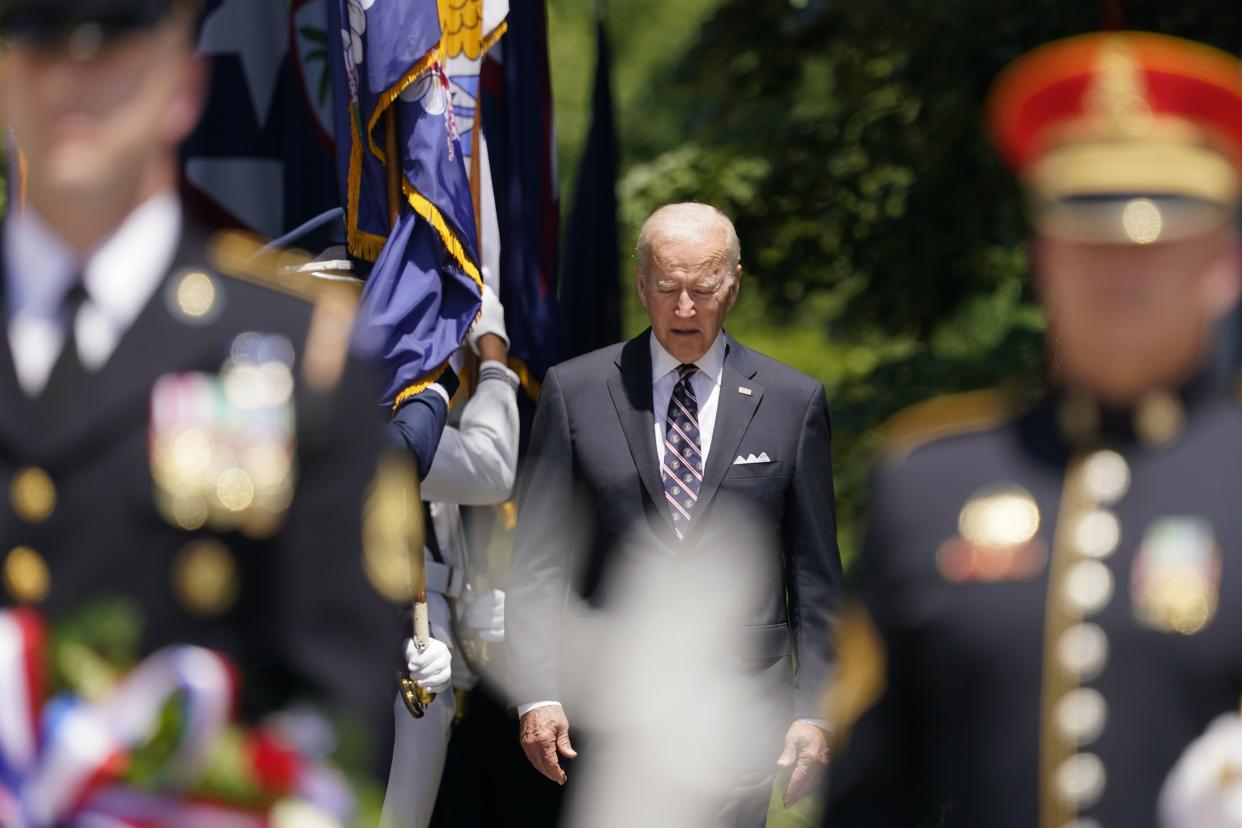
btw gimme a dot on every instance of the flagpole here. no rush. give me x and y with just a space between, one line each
416 698
392 166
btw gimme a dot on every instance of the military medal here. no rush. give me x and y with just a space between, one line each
222 445
1176 576
997 538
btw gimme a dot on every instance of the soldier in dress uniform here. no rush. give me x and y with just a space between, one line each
1050 600
193 443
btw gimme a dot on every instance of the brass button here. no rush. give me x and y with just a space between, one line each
26 576
1096 533
205 578
1080 715
1082 651
196 295
1106 476
1088 587
1080 780
1159 419
32 495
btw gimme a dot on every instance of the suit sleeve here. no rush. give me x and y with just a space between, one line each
539 572
871 781
814 561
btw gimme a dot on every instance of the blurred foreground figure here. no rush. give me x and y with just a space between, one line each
1051 604
666 451
185 454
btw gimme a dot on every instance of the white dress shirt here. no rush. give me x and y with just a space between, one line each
706 385
119 277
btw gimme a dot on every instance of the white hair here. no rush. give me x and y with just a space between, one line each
688 221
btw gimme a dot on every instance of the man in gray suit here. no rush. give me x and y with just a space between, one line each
677 446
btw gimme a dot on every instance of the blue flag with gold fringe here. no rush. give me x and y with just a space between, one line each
408 204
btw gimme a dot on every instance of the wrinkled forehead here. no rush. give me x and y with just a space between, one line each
683 255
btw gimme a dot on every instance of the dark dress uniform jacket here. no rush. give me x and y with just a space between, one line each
593 503
1059 672
305 622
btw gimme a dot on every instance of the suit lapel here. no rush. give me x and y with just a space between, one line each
631 394
734 411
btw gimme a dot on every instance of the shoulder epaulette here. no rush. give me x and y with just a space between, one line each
292 272
327 341
948 416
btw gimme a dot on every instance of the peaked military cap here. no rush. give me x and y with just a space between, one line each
52 20
1126 137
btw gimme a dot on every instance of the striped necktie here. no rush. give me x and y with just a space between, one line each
682 470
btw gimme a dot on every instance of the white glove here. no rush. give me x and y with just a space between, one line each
432 669
486 615
490 321
1204 789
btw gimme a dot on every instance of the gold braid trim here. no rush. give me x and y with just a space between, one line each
419 386
947 416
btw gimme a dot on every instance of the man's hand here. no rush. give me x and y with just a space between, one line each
806 749
489 328
544 731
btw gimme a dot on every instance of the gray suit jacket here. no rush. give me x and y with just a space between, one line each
592 502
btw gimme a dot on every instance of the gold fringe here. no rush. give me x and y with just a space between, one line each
419 386
392 93
490 41
435 218
362 244
530 385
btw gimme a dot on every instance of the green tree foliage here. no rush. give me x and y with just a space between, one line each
883 239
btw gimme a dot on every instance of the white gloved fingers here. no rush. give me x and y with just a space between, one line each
437 682
491 320
486 615
432 669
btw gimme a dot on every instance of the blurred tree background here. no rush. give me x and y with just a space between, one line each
883 241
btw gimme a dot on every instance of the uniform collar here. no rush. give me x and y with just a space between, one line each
1156 420
711 364
119 275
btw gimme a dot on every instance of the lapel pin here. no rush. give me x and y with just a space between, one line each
742 389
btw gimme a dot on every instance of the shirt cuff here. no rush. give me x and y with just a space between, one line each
523 709
822 724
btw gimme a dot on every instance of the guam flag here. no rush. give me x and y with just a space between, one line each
262 156
408 204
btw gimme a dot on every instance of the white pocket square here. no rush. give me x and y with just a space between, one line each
750 458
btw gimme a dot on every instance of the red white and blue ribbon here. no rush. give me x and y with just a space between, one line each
56 759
